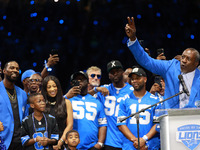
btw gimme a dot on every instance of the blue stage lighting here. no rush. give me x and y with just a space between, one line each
33 14
150 5
61 21
192 36
95 22
42 28
181 23
34 64
32 51
1 28
158 14
109 1
32 2
46 18
139 16
4 17
67 2
195 21
16 40
169 36
9 33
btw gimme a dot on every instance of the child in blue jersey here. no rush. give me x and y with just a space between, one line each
72 140
118 90
139 99
89 117
39 130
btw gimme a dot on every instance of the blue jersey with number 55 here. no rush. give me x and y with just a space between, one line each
88 114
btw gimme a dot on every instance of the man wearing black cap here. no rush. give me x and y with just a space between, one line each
89 117
139 99
118 90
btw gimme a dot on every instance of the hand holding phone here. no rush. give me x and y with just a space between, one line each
54 51
160 54
160 50
157 79
75 83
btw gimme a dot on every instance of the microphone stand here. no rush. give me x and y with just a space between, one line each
142 110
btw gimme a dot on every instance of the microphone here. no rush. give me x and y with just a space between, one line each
185 90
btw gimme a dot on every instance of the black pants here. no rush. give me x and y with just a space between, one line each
15 146
106 147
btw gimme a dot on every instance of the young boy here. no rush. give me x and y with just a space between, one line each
72 139
39 130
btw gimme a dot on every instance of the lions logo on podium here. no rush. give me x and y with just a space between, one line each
189 135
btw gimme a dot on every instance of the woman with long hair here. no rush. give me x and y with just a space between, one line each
58 106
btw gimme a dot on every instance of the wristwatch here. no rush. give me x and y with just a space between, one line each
101 144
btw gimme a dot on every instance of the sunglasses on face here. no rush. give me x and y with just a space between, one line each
35 80
98 76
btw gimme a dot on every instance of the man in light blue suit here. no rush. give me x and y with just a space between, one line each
12 107
170 70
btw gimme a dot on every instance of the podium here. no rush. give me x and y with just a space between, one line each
179 128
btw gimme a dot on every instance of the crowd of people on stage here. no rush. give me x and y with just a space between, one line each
91 116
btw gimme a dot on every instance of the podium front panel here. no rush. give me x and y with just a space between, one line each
180 130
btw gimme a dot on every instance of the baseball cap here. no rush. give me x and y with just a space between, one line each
74 75
114 64
27 74
138 71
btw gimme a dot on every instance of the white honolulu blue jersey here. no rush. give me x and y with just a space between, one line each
88 114
133 105
114 137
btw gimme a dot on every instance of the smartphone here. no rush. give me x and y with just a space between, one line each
157 79
54 51
160 50
75 83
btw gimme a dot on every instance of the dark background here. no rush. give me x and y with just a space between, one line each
92 31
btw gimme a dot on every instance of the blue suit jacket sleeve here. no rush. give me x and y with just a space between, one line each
6 113
169 70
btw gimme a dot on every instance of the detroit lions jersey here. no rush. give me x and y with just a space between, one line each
88 114
31 128
114 137
133 105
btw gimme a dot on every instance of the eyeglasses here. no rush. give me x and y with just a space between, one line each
98 76
35 80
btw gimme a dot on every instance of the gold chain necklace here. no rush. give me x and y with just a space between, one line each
12 97
52 103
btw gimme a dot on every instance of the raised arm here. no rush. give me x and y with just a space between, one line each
52 61
155 66
130 29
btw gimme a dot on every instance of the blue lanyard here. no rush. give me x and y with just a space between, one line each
34 123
